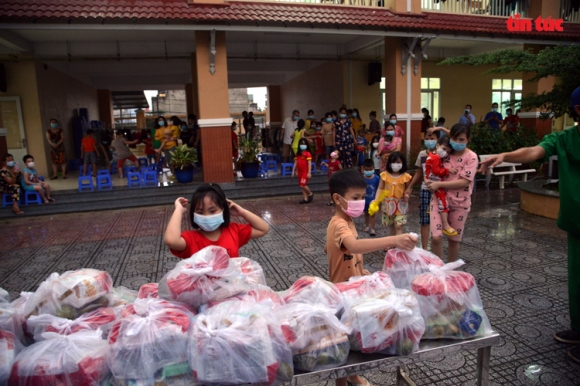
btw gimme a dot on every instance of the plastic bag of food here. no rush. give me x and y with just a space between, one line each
450 303
239 342
102 318
4 296
206 276
375 285
121 296
19 304
149 342
149 290
314 291
403 266
252 271
391 325
76 359
256 293
11 321
318 340
10 346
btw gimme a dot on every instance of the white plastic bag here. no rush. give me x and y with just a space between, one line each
4 296
318 340
403 266
102 318
121 296
256 293
314 291
149 290
375 285
151 337
206 276
237 343
450 303
391 325
10 321
71 360
10 346
251 270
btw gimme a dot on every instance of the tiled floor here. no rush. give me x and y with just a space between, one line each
519 261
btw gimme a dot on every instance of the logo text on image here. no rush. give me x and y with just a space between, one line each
516 24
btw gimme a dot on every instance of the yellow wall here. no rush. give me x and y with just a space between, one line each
319 89
364 97
21 79
461 85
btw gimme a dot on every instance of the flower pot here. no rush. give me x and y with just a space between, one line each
184 175
250 169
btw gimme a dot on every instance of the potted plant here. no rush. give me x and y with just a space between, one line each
249 157
183 160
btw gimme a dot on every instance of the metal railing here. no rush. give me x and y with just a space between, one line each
568 13
478 7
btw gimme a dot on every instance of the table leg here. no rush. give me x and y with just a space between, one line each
483 355
403 378
501 182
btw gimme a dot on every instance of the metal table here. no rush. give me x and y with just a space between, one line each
358 363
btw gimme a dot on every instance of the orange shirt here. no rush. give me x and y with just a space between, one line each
89 144
342 264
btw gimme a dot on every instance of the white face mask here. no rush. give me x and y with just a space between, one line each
30 164
396 167
375 145
441 153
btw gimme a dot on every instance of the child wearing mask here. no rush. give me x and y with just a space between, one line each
31 183
317 141
372 181
209 215
333 166
328 133
303 167
343 247
388 144
361 150
436 171
375 154
298 134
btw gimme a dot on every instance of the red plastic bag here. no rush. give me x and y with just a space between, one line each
149 290
403 266
450 303
314 291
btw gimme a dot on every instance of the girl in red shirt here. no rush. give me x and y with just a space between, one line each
303 164
333 166
209 214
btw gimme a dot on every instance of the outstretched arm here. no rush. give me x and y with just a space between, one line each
523 155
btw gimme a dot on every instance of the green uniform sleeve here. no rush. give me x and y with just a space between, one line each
550 145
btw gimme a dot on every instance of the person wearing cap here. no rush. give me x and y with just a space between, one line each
566 145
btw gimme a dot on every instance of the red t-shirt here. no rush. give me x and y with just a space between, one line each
333 167
234 144
512 122
89 144
302 162
233 237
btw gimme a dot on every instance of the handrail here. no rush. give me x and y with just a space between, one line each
568 13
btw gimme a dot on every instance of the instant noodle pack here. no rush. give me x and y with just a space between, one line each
212 320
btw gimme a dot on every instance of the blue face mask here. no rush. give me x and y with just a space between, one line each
393 121
296 117
328 120
343 116
430 143
355 115
457 146
311 117
318 128
54 125
303 147
494 109
369 173
161 123
209 223
391 133
10 164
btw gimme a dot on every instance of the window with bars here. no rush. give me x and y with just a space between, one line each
503 90
430 96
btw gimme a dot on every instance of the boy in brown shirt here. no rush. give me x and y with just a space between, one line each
344 249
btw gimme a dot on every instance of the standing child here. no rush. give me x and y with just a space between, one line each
89 152
388 144
328 133
361 150
333 166
394 182
149 152
376 154
298 135
317 141
435 171
209 215
343 248
119 145
303 167
372 181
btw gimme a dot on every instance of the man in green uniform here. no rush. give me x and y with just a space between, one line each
566 145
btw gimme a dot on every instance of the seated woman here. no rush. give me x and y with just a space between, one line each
30 181
8 181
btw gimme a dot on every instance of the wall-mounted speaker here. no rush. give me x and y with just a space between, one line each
375 73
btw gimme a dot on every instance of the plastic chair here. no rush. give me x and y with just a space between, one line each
86 184
89 170
313 167
271 165
129 169
160 164
104 181
7 199
143 161
287 169
32 197
323 168
103 172
149 178
134 179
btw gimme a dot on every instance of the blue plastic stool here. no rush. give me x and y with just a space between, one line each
129 169
104 180
145 169
7 199
323 168
287 169
86 184
143 161
153 167
89 170
103 172
313 167
149 178
160 164
134 179
32 197
271 165
40 178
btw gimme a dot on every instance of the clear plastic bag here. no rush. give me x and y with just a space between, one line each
391 325
252 271
121 296
403 266
450 303
375 285
206 276
4 296
149 341
239 342
19 305
149 290
71 360
318 340
314 291
257 294
102 318
10 321
10 346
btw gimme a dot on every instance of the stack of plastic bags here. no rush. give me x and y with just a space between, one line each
11 336
314 291
450 303
101 318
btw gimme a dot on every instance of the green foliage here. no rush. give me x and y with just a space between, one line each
250 149
559 61
183 156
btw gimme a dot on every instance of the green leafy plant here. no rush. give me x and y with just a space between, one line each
183 156
250 150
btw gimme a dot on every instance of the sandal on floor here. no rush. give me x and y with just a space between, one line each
19 212
303 202
51 200
54 177
373 234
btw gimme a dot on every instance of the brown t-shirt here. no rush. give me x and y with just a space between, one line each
342 264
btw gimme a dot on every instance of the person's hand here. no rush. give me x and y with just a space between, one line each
292 174
406 241
309 176
433 186
181 204
235 209
453 171
407 195
366 272
490 162
431 130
